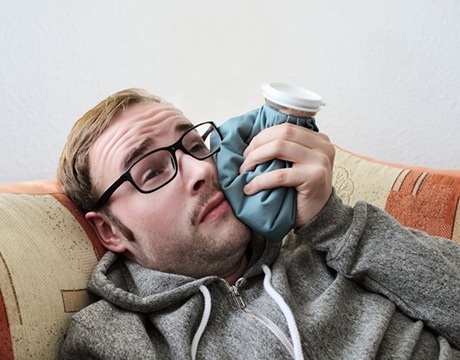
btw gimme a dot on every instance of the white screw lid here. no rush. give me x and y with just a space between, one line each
292 96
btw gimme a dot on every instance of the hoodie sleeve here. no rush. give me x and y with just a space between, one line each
418 272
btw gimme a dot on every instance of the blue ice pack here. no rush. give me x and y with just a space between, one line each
272 212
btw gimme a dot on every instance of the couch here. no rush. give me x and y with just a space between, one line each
47 250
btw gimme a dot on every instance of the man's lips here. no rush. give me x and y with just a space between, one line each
214 208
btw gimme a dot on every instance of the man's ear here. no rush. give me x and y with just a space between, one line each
108 234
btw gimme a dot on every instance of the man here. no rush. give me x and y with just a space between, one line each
185 279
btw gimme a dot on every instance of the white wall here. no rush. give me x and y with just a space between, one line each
387 69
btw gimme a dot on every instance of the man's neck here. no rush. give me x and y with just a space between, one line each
238 273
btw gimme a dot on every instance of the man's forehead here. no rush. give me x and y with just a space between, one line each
148 118
134 131
146 111
149 124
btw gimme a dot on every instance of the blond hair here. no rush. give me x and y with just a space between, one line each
74 169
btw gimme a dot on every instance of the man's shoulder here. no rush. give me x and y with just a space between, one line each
104 328
102 313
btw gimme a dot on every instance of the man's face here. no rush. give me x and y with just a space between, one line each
187 227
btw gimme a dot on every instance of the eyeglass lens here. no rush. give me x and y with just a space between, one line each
159 167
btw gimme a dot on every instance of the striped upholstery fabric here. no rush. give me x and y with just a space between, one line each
47 250
420 198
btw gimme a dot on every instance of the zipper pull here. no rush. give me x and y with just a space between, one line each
238 298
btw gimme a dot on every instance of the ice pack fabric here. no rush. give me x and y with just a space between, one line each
270 213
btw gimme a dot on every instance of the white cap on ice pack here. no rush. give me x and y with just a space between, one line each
292 96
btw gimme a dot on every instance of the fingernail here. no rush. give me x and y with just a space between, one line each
245 152
247 189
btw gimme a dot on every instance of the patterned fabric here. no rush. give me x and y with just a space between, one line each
420 198
47 250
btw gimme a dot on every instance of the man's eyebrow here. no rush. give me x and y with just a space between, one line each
137 152
145 145
182 127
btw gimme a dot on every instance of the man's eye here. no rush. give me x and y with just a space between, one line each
151 174
198 147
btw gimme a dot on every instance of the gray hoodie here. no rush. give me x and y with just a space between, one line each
351 284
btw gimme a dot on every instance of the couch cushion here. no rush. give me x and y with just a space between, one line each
47 252
422 198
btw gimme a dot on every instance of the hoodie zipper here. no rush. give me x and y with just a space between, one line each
275 330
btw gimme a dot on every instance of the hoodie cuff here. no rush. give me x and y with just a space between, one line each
328 228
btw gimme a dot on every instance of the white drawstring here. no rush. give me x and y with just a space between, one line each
204 320
286 311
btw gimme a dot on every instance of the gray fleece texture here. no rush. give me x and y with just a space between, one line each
359 285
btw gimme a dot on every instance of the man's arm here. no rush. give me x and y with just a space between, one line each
418 272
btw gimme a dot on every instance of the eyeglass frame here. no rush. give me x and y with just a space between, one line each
126 175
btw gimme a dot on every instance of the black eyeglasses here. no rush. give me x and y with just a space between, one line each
159 167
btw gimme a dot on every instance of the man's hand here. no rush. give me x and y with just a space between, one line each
312 157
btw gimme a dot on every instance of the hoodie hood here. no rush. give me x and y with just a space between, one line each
132 287
118 281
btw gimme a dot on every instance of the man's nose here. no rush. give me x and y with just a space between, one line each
194 173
